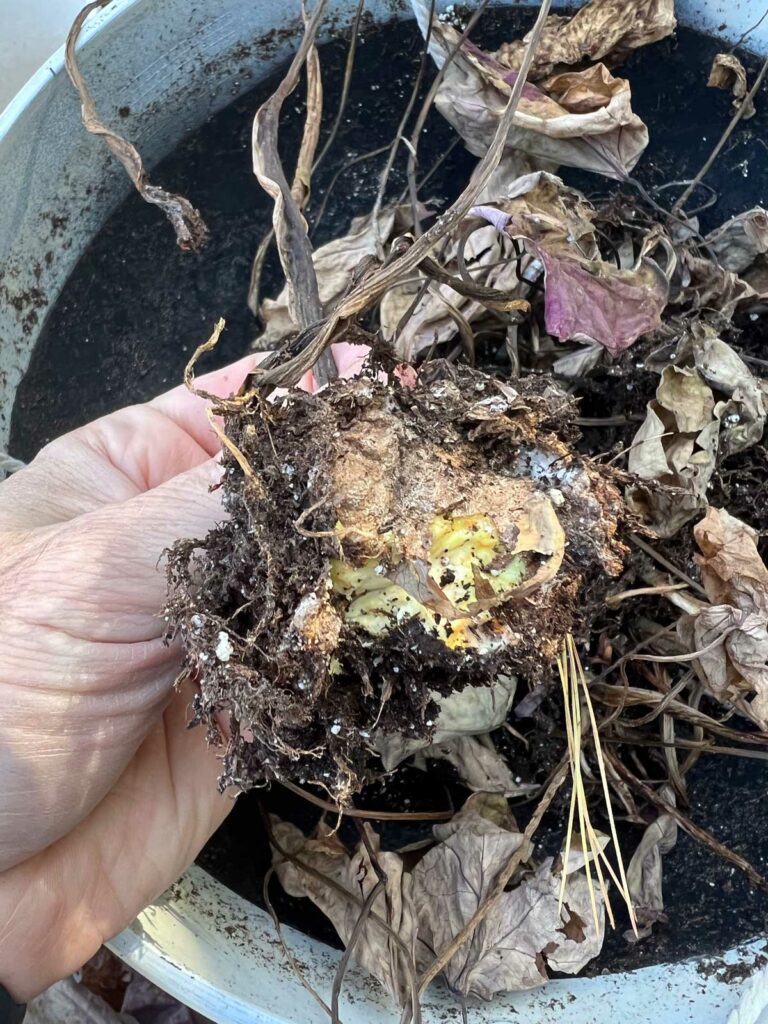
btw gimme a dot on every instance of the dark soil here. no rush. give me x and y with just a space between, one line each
135 308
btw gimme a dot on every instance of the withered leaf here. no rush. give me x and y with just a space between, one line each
471 711
334 263
479 765
738 242
708 404
474 92
600 30
375 949
732 633
728 73
644 872
414 578
524 929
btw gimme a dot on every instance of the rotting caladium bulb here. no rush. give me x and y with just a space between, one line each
395 557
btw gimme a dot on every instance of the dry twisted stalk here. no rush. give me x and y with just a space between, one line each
404 259
191 231
290 227
305 165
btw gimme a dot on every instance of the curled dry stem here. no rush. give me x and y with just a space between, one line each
189 227
290 227
305 165
370 289
695 831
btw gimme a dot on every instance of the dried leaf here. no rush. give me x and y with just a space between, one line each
708 404
585 298
189 227
471 711
644 872
293 245
738 242
743 415
579 362
522 932
728 73
414 578
593 302
684 394
704 284
375 949
600 30
479 765
474 92
732 633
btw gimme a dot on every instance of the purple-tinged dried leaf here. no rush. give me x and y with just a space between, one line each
608 139
585 298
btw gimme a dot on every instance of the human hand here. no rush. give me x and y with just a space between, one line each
105 796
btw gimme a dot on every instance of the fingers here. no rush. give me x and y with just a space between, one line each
58 907
101 578
189 412
117 456
130 451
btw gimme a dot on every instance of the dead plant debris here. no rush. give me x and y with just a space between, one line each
440 560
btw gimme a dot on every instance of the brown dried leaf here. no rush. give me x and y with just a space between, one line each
728 73
189 227
414 578
732 633
601 30
375 949
523 930
708 404
644 872
738 242
474 92
731 568
685 395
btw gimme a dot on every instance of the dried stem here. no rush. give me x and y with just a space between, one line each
346 956
427 106
293 245
399 133
695 831
356 812
188 225
292 961
406 258
729 130
305 165
348 68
